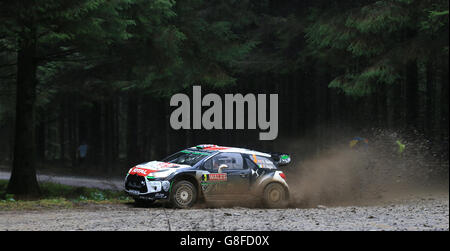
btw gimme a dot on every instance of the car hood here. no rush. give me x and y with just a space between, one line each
157 169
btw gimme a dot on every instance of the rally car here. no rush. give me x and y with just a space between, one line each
210 172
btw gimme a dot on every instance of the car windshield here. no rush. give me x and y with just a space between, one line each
186 157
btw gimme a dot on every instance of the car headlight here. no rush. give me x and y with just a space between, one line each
165 185
162 174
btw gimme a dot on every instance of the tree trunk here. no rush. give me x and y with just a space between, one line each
108 127
411 93
132 129
61 131
444 101
116 133
23 180
73 143
95 151
429 111
41 140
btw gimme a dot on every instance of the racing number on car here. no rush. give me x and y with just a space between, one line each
210 181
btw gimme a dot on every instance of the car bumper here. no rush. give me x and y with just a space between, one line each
148 196
142 188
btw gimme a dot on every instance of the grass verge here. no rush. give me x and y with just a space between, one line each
57 196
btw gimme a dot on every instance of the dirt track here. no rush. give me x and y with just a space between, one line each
429 212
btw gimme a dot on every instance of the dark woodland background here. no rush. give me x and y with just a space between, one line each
102 72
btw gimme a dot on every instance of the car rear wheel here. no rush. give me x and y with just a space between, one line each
183 195
275 196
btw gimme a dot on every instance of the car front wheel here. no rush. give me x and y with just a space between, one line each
183 195
275 196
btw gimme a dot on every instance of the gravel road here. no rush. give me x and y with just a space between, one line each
428 212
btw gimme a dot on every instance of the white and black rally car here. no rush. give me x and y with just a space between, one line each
210 172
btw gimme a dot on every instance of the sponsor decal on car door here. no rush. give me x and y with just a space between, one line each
232 179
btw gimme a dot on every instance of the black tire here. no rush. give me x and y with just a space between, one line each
143 203
183 195
275 196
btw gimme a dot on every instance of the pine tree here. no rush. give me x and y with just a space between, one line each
374 42
40 32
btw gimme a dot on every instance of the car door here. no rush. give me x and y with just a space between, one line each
228 182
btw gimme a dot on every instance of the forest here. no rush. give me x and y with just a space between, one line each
101 73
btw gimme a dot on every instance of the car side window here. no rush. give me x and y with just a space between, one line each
232 160
208 164
262 162
250 164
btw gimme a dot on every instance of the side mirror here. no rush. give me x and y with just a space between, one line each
284 160
281 159
223 166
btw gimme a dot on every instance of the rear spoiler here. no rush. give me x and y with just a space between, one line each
281 159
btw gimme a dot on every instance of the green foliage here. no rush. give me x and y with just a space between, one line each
161 46
212 50
165 45
364 83
9 197
371 44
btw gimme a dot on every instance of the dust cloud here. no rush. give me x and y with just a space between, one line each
342 176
